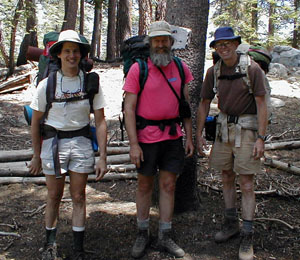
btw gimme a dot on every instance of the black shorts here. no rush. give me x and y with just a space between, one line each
166 155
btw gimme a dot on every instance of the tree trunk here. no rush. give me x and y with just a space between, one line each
81 24
254 20
123 29
145 15
15 22
95 36
271 27
2 48
30 38
71 7
160 10
296 31
187 195
99 40
111 31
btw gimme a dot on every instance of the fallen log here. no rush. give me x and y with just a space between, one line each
26 155
282 166
91 178
282 145
23 172
14 82
12 168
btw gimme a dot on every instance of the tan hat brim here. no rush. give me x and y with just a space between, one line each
54 48
159 33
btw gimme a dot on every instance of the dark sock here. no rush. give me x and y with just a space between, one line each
231 213
247 226
50 236
78 237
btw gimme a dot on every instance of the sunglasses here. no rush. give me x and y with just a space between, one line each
223 44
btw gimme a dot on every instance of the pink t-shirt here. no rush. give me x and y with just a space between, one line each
157 101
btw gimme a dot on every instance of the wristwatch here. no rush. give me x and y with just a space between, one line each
262 137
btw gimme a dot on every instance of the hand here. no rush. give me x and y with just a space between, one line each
136 155
35 166
101 168
201 145
259 149
189 148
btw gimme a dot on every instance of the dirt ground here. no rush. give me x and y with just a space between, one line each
110 226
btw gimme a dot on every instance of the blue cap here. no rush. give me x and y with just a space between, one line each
224 33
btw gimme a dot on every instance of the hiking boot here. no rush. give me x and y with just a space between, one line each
140 244
246 246
50 252
166 243
230 228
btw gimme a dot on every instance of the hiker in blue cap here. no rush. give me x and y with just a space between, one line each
66 147
238 82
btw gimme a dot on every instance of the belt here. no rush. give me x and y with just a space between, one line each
141 123
50 132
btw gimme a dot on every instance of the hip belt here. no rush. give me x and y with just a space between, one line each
141 123
246 121
50 132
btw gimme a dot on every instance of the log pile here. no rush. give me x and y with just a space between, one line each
13 166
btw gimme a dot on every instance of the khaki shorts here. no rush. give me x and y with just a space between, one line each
225 156
75 154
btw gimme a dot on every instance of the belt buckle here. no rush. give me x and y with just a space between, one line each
232 119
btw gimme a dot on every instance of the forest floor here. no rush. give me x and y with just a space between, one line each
110 225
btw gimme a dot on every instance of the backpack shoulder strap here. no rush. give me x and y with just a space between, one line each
244 63
217 73
50 92
143 73
179 65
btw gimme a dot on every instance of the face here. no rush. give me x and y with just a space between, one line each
226 49
160 50
70 55
161 44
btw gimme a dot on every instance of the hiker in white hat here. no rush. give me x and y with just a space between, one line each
62 103
153 125
240 133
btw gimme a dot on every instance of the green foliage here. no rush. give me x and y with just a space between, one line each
238 14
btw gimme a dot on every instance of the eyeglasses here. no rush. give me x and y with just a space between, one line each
223 44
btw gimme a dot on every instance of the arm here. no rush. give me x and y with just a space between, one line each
187 124
259 146
136 153
101 132
35 166
202 112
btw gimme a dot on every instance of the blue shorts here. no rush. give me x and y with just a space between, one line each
75 154
166 155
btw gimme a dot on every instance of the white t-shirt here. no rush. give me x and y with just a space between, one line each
67 116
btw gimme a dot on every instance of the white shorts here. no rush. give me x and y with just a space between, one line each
75 154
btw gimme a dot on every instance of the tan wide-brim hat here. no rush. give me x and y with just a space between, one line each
69 36
159 28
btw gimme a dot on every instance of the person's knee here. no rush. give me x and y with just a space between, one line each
145 186
55 196
168 185
78 197
228 176
246 184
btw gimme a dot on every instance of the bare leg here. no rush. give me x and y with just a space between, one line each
248 196
55 192
143 196
229 189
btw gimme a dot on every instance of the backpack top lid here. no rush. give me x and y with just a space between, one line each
259 53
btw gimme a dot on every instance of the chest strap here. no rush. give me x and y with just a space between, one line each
141 123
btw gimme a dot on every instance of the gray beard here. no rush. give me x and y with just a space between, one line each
161 59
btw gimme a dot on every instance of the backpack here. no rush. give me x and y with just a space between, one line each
134 50
242 72
46 63
90 86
